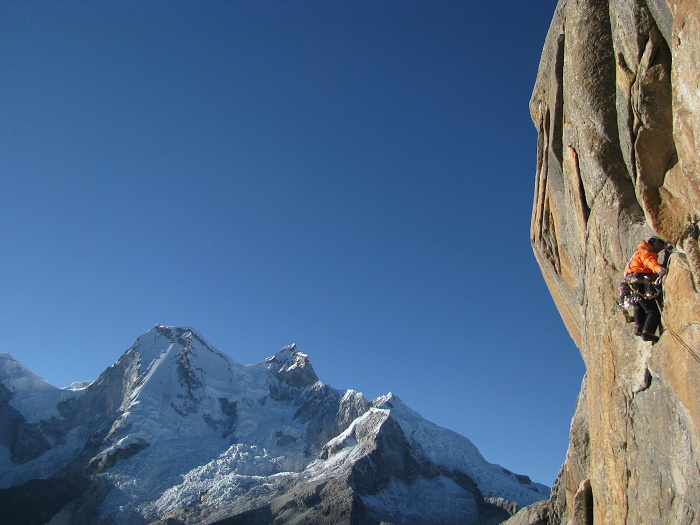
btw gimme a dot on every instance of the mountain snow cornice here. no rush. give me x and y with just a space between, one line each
177 430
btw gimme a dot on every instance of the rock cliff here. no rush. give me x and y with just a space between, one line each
617 108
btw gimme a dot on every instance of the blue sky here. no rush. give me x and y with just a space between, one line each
356 177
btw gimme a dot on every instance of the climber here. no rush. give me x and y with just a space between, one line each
645 268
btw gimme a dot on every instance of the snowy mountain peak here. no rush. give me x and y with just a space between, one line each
396 406
78 385
15 377
33 397
284 356
175 428
292 368
12 371
183 335
181 345
387 401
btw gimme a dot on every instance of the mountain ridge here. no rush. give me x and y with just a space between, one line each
176 429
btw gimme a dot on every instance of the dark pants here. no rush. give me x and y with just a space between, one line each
647 315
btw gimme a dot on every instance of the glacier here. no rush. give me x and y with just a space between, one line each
176 429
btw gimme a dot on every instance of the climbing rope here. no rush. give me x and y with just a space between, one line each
673 333
692 232
680 341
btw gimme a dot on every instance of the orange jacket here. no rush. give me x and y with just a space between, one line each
645 260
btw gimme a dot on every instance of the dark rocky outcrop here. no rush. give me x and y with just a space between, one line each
24 440
38 500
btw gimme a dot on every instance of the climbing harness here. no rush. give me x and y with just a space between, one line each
634 288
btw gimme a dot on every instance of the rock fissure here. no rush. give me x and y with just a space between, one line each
617 86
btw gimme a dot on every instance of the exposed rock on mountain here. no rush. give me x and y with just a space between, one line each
177 432
617 108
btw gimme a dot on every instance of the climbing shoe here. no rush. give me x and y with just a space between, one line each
646 336
637 331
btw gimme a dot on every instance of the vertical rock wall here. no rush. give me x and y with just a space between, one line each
617 108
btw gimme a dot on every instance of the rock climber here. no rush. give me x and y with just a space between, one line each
645 267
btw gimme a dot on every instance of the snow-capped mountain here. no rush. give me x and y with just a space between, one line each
176 430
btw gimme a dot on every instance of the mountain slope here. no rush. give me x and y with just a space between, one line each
177 430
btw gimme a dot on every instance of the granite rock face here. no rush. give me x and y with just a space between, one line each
617 108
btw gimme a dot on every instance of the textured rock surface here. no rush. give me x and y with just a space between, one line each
617 108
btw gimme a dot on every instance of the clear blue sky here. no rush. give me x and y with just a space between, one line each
356 177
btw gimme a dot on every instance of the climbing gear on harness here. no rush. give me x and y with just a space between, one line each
626 300
634 288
